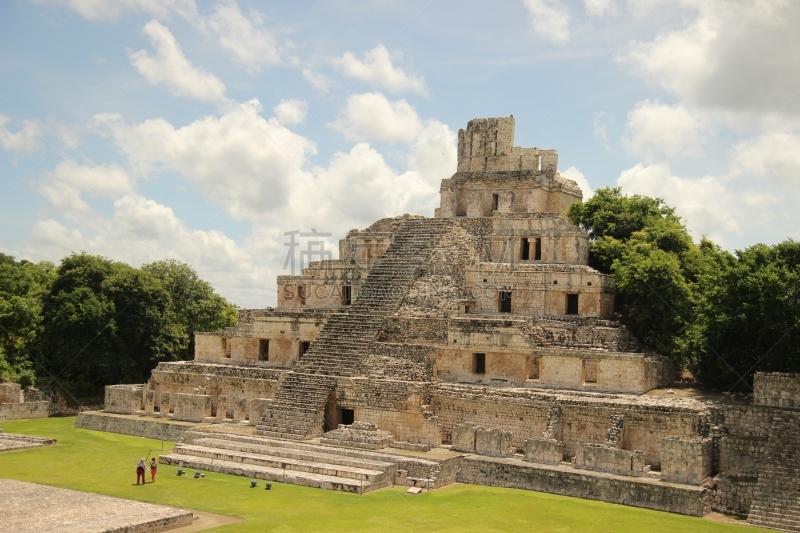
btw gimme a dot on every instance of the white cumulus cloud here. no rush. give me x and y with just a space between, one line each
705 204
291 111
23 140
246 37
550 19
371 116
739 57
376 68
673 131
169 66
772 156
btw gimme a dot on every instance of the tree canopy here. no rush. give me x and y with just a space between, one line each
722 316
92 322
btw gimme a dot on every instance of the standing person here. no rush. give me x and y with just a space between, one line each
153 468
140 468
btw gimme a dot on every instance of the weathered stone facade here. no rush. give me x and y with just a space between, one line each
483 331
14 406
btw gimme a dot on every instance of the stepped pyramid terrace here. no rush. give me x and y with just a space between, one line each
475 346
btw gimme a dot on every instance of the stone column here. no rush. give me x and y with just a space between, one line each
164 404
222 409
149 401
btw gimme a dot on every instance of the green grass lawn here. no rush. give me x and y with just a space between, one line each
105 463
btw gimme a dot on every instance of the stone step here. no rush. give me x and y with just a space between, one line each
306 479
289 464
328 456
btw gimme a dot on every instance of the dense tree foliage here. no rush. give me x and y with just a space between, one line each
721 316
92 322
748 317
194 306
22 285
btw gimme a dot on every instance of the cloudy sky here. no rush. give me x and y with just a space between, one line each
205 130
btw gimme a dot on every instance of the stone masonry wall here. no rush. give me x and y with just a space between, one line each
776 389
635 491
583 420
10 392
19 411
123 399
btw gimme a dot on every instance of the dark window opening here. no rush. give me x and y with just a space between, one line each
533 369
495 201
348 416
347 295
537 252
505 301
304 347
263 349
226 348
479 363
466 309
572 304
301 294
589 284
526 249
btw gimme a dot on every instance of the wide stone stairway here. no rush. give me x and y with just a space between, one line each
297 409
299 463
776 501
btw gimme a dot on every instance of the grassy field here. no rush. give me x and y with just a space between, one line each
105 463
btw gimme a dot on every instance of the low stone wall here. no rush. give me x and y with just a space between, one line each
192 407
776 389
124 399
604 458
638 492
19 411
10 392
542 450
687 462
151 428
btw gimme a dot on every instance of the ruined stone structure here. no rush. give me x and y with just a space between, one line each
13 404
483 336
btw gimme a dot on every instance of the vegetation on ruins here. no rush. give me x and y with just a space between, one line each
721 316
93 322
104 463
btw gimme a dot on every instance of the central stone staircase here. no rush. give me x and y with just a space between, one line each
299 463
297 409
776 501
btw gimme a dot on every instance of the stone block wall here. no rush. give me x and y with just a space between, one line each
776 389
493 442
215 380
463 437
124 399
20 411
406 362
192 407
542 450
10 392
256 407
604 458
635 491
525 414
684 461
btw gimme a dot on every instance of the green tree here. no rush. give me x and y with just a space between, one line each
749 316
655 263
103 323
22 285
194 306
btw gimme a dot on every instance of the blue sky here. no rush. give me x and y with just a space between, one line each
205 130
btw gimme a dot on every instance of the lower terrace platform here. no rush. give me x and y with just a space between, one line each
68 511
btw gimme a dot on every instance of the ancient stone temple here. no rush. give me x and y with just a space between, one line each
477 346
